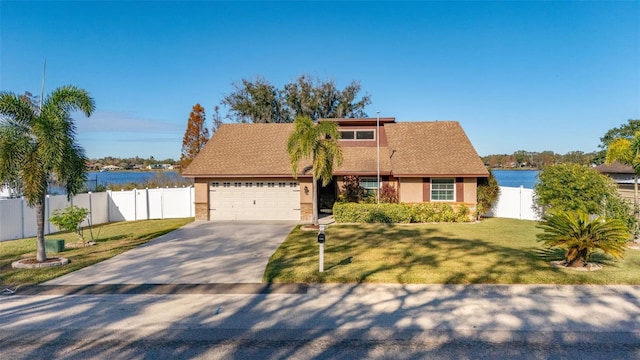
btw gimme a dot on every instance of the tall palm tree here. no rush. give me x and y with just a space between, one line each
37 143
580 236
320 143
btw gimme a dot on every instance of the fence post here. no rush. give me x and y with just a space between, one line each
22 213
108 206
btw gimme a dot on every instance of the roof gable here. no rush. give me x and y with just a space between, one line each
413 149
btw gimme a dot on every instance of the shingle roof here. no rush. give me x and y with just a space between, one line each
432 148
414 149
615 168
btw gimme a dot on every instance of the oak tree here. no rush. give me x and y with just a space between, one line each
261 102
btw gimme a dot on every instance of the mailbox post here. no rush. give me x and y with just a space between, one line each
321 238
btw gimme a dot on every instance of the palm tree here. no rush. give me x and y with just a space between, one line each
580 236
38 143
627 152
320 143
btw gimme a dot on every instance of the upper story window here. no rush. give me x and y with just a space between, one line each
357 135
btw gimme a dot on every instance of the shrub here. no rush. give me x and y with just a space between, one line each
581 236
488 193
388 194
438 212
371 213
399 213
69 219
351 190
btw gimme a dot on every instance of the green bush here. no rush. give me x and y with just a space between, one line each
371 213
69 219
399 213
438 212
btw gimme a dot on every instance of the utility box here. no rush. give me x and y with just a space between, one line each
54 245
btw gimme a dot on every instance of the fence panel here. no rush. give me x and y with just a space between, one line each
99 208
155 203
178 202
96 203
515 203
11 219
122 205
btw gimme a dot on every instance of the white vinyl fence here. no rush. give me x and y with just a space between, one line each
515 203
17 220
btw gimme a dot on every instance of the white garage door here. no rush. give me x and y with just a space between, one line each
254 200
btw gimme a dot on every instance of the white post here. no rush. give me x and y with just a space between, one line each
378 151
321 239
321 266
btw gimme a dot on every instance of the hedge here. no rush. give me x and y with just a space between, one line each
399 213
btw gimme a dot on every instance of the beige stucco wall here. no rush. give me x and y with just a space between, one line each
410 190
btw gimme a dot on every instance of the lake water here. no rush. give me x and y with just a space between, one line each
509 178
516 178
125 177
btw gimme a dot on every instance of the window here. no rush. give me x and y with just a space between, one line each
357 135
271 184
442 189
364 135
215 184
260 184
369 183
346 135
237 184
293 184
282 184
226 184
248 184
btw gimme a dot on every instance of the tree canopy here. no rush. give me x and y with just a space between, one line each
195 136
320 143
261 102
573 187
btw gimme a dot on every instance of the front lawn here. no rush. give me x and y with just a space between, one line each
494 251
112 239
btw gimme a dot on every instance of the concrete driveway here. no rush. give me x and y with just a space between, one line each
198 253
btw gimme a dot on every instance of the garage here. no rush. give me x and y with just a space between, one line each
254 200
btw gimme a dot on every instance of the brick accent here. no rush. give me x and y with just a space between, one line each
306 212
202 211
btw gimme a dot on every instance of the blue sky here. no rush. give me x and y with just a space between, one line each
539 75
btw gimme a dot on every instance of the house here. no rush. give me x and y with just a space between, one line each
111 168
244 171
622 175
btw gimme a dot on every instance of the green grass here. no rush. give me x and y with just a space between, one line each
494 251
112 239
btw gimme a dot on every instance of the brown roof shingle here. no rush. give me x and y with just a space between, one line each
432 148
615 168
414 149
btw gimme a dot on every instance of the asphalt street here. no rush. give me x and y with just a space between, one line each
330 321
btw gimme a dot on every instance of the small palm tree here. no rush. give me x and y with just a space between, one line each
320 143
580 236
37 143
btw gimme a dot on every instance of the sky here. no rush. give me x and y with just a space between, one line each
517 75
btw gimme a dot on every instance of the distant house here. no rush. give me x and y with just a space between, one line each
244 172
622 175
111 168
160 167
